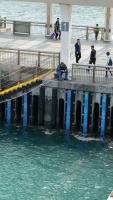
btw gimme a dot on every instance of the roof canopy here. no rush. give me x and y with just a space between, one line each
104 3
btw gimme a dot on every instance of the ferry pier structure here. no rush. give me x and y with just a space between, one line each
31 96
66 21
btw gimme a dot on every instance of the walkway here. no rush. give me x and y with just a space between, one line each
42 44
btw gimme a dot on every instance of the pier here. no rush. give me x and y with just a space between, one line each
83 103
30 94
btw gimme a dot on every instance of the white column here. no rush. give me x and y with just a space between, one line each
108 24
49 17
66 15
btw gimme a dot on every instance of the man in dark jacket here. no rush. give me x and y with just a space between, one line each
92 56
78 50
57 29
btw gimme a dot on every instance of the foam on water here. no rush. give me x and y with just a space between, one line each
88 139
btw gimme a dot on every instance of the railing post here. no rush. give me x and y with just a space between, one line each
54 62
102 34
18 57
59 58
72 71
38 59
94 69
36 71
87 33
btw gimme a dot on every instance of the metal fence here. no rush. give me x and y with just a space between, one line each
86 32
92 73
14 57
20 65
40 28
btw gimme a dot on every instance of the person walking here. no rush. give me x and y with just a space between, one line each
92 56
96 31
108 64
78 50
57 29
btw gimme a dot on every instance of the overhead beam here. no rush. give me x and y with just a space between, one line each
103 3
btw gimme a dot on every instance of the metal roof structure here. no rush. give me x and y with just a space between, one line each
103 3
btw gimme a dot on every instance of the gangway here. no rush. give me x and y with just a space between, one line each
9 88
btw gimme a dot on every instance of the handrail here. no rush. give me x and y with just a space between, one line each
28 50
92 73
40 28
20 57
91 65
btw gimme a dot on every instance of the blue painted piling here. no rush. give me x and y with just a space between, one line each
85 119
103 116
68 110
25 110
8 113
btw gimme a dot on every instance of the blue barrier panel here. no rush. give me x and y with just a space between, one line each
8 113
25 111
68 110
103 116
85 120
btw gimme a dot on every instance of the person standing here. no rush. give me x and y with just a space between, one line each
78 50
108 64
96 31
92 56
57 29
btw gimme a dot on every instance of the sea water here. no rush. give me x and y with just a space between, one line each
34 11
38 164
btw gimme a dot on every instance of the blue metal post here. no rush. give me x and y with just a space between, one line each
8 113
85 120
68 110
103 116
25 112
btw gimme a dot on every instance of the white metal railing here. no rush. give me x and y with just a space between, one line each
29 58
92 73
40 28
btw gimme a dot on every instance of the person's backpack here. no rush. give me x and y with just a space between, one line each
110 62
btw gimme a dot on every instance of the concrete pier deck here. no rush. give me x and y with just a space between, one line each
43 44
37 43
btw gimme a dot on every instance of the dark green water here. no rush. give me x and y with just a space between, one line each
38 166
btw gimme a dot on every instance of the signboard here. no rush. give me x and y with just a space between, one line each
65 26
22 28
